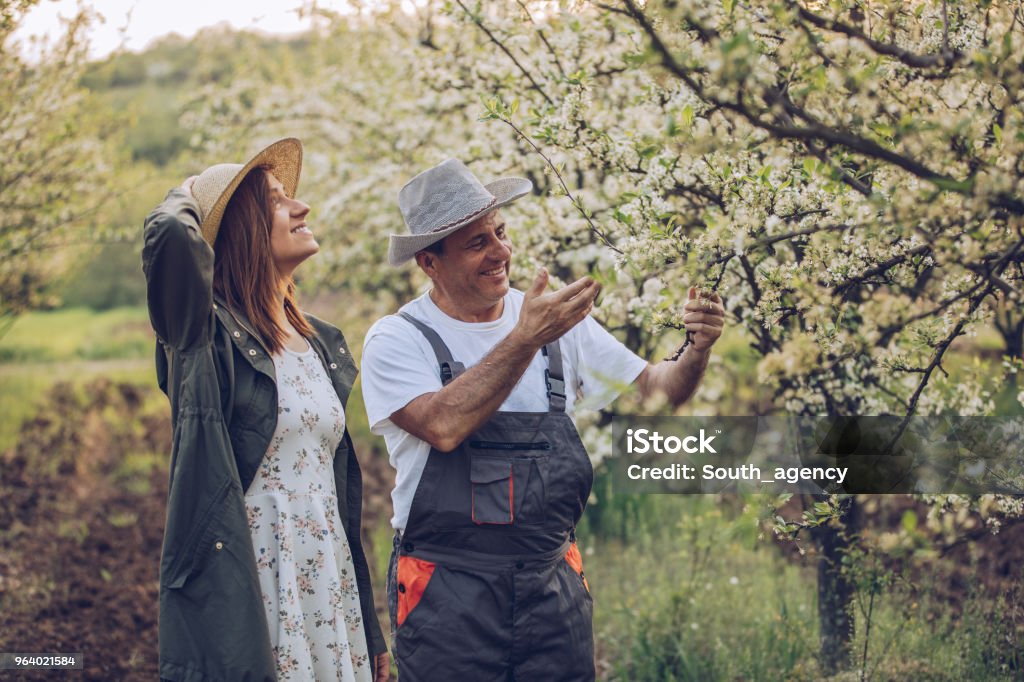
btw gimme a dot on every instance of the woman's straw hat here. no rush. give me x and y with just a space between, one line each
215 185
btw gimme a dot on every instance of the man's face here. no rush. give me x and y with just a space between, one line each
291 242
471 274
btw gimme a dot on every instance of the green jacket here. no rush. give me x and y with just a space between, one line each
221 385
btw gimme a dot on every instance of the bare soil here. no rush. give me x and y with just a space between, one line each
82 506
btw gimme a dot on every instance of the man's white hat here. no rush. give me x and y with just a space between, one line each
443 200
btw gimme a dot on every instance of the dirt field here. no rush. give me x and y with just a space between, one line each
82 499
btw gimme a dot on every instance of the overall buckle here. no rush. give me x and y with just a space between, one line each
555 386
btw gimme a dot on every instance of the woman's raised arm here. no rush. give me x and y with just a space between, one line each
178 264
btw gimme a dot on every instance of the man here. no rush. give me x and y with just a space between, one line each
472 385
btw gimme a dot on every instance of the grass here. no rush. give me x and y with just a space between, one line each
25 385
691 593
74 344
692 596
924 639
78 334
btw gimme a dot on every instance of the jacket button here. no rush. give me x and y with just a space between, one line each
219 545
334 366
252 351
408 547
236 335
401 587
519 565
341 350
214 306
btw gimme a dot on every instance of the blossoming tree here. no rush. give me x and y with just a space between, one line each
56 163
849 175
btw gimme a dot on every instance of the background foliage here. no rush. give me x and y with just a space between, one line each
847 174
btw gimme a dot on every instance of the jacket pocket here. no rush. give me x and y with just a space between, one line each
199 542
495 445
575 561
509 481
413 576
493 490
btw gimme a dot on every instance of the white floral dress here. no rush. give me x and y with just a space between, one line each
302 552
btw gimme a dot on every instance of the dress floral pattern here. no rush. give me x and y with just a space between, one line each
302 552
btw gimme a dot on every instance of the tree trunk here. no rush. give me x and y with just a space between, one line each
1011 327
835 590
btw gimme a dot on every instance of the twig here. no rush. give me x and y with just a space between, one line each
768 241
945 27
867 635
543 38
579 207
946 59
936 361
501 46
813 131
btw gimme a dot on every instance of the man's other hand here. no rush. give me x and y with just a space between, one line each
545 317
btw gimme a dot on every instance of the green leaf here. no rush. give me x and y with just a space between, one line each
883 129
997 131
687 114
962 186
671 127
909 521
648 151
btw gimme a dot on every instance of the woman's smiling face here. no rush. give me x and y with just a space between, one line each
291 240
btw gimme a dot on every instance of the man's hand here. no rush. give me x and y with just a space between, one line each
678 377
383 667
187 185
546 317
445 418
704 318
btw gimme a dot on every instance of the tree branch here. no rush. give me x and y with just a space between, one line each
946 59
480 24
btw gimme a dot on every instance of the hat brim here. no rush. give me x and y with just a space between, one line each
402 247
284 158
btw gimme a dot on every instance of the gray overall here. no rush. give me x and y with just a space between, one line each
486 583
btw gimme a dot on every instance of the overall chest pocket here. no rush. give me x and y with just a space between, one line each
508 482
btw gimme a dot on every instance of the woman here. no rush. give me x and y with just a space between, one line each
262 574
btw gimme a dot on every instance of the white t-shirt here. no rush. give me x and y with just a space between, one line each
399 365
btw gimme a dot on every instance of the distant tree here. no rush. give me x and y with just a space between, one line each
56 162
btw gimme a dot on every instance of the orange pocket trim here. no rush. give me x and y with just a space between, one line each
575 560
413 576
511 505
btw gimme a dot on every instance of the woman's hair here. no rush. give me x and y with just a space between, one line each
244 272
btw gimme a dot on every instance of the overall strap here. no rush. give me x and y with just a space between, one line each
449 367
554 378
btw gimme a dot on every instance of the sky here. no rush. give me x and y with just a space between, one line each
135 23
